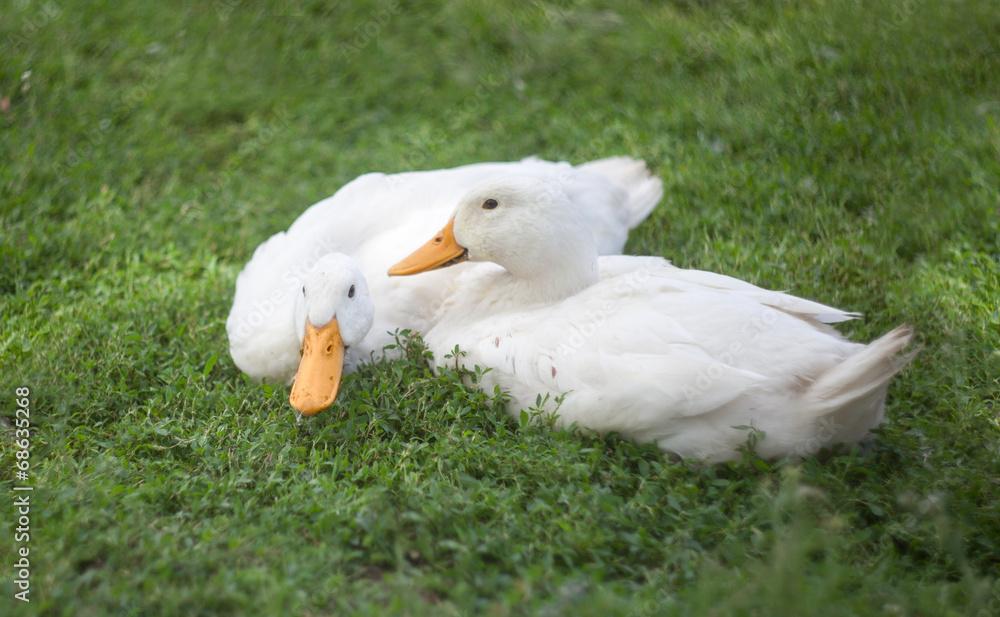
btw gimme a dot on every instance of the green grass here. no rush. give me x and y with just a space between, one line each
848 152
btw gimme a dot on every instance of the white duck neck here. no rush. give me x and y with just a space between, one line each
546 272
554 278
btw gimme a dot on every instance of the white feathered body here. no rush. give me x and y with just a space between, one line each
378 218
672 356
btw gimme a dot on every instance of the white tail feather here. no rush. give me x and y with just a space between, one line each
644 190
851 394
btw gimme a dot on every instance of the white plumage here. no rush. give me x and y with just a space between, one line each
636 346
376 218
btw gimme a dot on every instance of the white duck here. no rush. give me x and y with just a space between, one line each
369 220
636 346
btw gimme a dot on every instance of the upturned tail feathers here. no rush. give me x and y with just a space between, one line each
644 190
851 394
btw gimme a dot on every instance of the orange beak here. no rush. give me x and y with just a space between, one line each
320 369
441 252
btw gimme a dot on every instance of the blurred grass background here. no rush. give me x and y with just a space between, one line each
848 152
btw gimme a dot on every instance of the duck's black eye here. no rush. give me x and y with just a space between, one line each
350 292
303 290
490 203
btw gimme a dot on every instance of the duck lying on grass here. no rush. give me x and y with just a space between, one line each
293 296
683 358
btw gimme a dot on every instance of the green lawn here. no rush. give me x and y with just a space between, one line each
846 151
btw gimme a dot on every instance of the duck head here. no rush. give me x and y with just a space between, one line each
333 312
527 226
